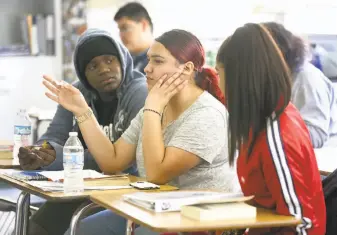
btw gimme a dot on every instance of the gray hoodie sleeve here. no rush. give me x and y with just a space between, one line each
57 134
310 95
136 103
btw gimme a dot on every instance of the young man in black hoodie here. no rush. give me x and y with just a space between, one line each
114 91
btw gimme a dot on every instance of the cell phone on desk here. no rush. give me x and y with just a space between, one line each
143 185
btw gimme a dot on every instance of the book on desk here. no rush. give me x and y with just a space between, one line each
6 149
53 180
219 211
58 176
173 201
55 176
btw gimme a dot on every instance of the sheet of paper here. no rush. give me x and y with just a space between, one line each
58 186
59 175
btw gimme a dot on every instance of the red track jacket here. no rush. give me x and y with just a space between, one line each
283 175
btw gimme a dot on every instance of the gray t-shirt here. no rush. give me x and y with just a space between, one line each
202 130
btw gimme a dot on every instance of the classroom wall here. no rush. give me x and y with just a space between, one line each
191 15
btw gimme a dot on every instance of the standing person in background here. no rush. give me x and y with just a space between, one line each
135 29
315 60
328 62
272 138
312 93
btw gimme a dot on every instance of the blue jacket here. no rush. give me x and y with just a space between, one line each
140 61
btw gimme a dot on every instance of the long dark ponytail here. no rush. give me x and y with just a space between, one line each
257 84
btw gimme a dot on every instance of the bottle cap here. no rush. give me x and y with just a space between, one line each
73 134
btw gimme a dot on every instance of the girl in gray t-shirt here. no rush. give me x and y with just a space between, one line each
201 130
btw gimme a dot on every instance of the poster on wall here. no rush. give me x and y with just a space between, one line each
74 23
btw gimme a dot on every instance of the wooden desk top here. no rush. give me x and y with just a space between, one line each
326 160
8 164
174 222
60 196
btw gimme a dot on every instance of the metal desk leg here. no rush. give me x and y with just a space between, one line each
26 214
129 227
79 213
22 214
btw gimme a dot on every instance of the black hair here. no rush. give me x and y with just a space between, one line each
257 84
135 11
292 47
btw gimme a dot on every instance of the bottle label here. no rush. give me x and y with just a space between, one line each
22 130
75 158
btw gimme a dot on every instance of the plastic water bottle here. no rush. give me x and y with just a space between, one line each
22 132
73 158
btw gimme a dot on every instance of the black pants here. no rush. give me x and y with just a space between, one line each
53 218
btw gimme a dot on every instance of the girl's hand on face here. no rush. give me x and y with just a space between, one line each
164 90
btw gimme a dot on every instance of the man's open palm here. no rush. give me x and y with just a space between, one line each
65 94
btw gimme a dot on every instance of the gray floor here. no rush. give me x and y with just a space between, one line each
7 214
7 223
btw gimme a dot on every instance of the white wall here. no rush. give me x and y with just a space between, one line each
218 18
100 14
21 87
206 19
312 19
